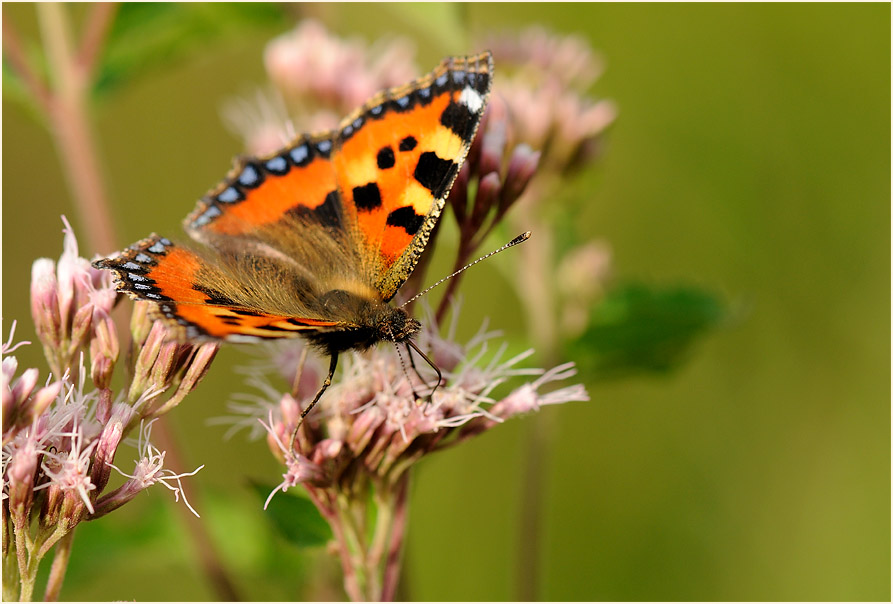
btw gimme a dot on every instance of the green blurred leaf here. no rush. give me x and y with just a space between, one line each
295 518
146 35
640 328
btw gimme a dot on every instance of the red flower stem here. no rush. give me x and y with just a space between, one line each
462 256
99 22
15 55
70 127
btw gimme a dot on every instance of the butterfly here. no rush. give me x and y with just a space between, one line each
315 239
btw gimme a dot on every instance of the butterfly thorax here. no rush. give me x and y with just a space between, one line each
371 321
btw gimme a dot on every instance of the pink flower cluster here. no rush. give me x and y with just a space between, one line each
60 439
545 81
382 416
315 80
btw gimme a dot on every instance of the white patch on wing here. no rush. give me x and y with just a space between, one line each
471 99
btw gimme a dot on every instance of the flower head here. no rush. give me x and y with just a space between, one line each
317 79
545 83
372 420
60 439
66 298
309 63
148 470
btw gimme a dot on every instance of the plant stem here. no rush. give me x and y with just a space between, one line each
15 54
351 546
57 570
70 125
400 515
23 551
462 255
101 17
538 298
351 583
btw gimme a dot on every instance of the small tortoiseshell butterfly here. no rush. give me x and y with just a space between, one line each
315 239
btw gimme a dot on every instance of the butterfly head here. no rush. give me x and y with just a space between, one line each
395 324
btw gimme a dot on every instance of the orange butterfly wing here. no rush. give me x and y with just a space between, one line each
350 209
381 178
258 192
157 270
396 159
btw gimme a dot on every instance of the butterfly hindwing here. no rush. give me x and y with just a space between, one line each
189 297
396 158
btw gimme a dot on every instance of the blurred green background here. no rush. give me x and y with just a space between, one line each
751 157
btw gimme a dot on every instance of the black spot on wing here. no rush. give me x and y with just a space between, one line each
214 296
408 144
406 218
367 197
385 158
434 173
459 119
328 213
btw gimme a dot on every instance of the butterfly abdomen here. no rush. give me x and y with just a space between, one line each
364 322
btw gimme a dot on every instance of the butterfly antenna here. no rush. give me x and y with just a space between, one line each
411 344
519 239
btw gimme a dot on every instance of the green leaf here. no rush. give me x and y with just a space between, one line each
295 518
639 328
147 35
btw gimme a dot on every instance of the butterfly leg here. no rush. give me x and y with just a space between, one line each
326 383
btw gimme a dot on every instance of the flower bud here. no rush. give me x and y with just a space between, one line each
522 167
109 439
23 387
486 199
140 323
80 330
43 399
146 360
45 304
364 428
103 349
20 476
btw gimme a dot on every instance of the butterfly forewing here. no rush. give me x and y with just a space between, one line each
396 159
